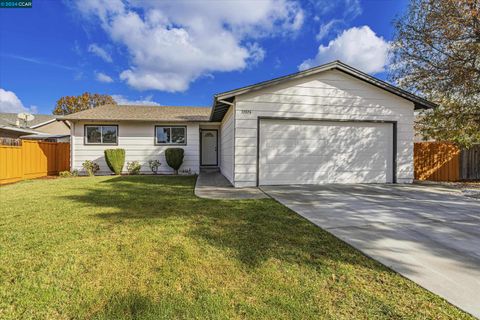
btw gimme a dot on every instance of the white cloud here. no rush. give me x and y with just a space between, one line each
257 53
122 100
358 47
352 9
340 13
9 102
102 77
349 9
172 43
326 28
100 52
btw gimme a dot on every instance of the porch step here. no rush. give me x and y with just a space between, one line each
209 169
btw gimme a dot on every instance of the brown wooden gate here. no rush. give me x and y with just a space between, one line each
436 161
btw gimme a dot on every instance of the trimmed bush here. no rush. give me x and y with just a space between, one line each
174 157
133 167
154 164
91 167
115 159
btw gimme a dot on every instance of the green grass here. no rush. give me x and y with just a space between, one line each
147 248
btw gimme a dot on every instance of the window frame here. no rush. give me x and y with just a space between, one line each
169 143
85 137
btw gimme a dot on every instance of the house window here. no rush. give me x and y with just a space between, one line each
170 135
101 134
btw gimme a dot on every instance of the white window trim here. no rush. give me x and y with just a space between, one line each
169 143
85 141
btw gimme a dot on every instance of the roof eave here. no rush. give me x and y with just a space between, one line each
135 120
19 130
419 103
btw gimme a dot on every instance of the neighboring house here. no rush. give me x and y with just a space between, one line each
328 124
42 127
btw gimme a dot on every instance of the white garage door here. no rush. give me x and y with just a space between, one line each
315 152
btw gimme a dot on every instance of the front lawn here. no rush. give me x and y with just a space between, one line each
147 248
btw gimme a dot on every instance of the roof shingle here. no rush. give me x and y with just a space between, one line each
141 113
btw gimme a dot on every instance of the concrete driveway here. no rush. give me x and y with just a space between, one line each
429 234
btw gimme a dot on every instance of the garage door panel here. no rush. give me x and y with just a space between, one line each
304 166
292 146
316 152
362 159
359 177
293 149
314 164
278 178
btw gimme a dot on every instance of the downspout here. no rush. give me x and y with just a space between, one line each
72 145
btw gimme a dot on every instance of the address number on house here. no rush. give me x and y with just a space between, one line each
246 111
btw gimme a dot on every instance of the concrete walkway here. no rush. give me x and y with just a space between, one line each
429 234
213 185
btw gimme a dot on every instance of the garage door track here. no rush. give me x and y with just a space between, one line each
428 234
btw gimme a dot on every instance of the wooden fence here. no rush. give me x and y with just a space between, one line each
33 159
443 161
470 164
436 161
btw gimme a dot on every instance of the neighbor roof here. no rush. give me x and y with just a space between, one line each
10 119
221 101
18 129
141 113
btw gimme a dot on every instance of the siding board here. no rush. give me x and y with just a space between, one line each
138 140
227 145
328 95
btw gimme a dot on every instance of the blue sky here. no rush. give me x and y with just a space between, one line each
179 53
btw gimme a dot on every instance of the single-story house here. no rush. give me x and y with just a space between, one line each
42 127
328 124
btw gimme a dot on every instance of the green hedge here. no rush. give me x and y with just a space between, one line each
174 157
115 159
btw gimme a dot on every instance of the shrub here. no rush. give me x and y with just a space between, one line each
134 167
115 159
154 164
65 174
68 174
91 167
174 157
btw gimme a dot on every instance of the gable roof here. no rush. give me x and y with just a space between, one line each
10 119
221 101
111 112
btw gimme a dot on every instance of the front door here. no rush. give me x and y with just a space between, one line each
209 147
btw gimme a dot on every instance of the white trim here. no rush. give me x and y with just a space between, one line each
43 123
20 130
72 145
